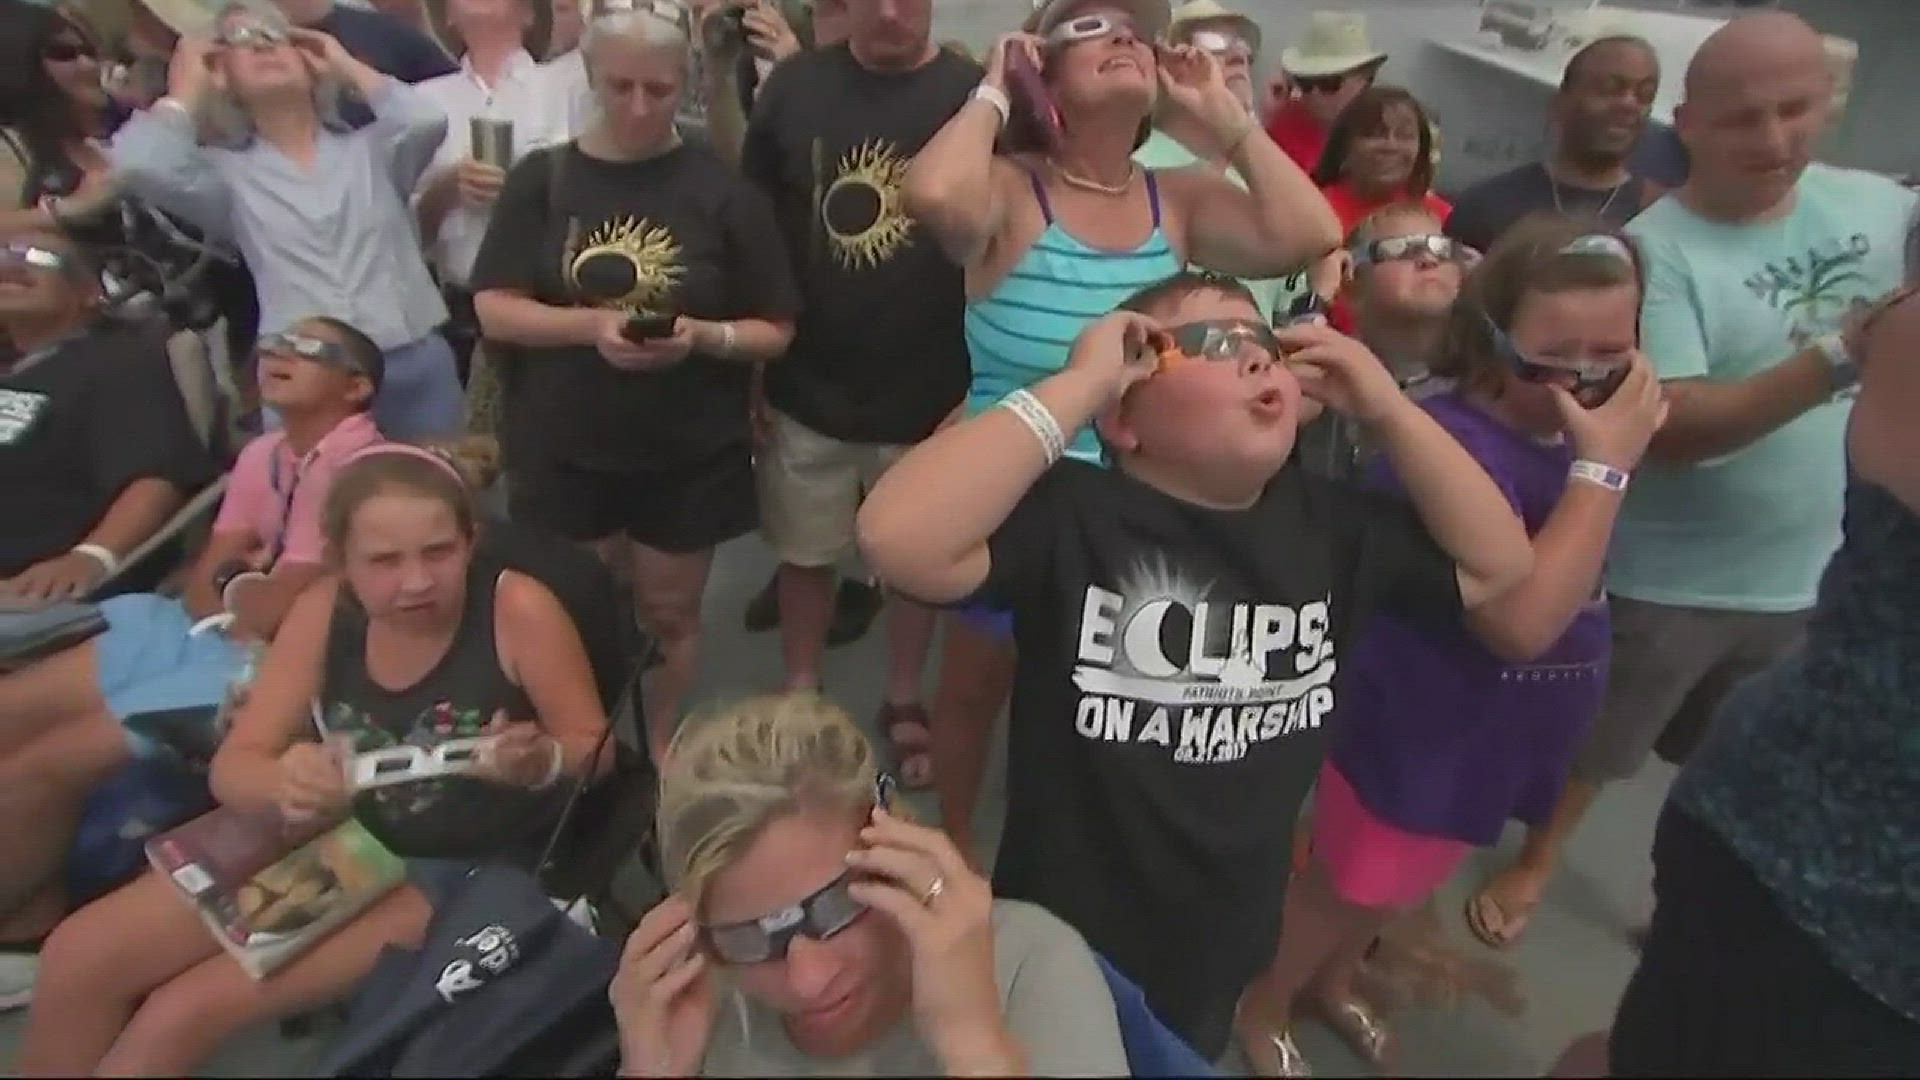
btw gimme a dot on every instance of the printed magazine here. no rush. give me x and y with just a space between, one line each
266 906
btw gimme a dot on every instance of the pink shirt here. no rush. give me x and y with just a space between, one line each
275 497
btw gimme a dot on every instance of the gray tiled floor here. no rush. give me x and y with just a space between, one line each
1573 962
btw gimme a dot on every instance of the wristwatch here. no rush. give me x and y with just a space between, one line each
1843 369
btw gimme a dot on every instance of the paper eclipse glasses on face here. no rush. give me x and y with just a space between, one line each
1090 27
1397 248
1212 339
32 256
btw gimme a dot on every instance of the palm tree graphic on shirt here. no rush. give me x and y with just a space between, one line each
1821 287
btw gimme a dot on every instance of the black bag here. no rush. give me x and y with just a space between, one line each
505 985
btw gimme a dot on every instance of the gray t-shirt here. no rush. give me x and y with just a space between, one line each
1051 991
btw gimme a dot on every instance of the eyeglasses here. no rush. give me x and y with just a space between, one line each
63 52
1214 339
1396 248
253 36
819 916
18 254
1601 245
306 347
1098 24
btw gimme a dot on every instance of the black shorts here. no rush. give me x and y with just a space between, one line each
679 510
1730 985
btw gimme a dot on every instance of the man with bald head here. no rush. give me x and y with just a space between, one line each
1753 267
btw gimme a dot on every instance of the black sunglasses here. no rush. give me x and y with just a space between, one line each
1590 384
1320 84
827 911
62 52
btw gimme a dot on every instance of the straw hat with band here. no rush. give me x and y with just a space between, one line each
1211 14
1335 43
1150 17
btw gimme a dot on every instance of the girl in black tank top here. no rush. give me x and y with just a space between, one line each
450 817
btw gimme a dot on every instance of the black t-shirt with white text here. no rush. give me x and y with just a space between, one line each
1176 674
699 241
78 423
1489 208
879 355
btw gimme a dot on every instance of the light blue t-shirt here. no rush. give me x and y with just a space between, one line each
1752 531
1163 151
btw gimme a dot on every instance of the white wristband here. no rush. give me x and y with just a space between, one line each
554 767
995 97
1039 420
728 337
1605 476
108 561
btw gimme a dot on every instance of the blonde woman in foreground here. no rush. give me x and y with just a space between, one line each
812 932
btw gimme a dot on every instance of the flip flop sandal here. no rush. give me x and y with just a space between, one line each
910 739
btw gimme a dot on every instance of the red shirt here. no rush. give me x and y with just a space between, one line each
1294 129
1352 209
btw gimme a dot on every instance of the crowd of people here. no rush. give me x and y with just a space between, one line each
1308 525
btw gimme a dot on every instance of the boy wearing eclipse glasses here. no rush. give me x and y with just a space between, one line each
1179 616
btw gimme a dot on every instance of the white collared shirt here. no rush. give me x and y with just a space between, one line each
527 94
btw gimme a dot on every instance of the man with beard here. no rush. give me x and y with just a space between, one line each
1603 105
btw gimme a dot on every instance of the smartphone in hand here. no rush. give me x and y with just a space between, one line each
642 328
1031 98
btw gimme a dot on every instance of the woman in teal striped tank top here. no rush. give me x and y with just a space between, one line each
1054 234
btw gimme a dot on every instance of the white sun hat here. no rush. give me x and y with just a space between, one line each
184 17
1150 17
1335 43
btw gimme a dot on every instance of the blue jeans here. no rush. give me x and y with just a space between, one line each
420 397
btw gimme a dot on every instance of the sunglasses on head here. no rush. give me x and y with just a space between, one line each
307 347
253 36
827 911
1395 248
19 254
1098 24
1213 339
67 51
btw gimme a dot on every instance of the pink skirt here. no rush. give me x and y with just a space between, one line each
1372 863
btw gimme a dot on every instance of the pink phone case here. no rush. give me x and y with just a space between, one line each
1030 95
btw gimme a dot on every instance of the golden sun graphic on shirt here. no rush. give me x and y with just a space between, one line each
627 263
863 211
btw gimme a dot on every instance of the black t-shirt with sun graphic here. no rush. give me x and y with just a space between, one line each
879 355
681 233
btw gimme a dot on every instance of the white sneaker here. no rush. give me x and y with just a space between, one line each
17 972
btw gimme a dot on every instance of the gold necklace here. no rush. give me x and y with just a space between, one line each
1111 191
